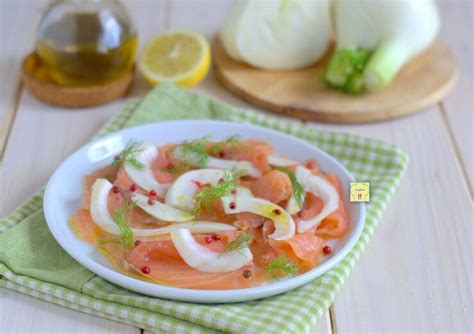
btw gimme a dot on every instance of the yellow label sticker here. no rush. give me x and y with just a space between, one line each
360 191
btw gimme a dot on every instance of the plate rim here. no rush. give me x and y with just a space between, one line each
195 295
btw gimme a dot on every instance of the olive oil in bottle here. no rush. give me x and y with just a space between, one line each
86 48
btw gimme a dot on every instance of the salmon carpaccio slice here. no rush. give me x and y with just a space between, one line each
167 267
164 261
274 186
304 248
311 207
84 227
255 151
334 225
107 172
119 177
159 254
248 220
164 163
136 217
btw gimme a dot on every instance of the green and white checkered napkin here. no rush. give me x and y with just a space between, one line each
32 262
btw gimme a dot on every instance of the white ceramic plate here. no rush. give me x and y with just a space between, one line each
64 191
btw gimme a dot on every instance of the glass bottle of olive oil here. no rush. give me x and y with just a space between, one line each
86 42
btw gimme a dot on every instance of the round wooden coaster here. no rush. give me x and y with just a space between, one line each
303 94
74 97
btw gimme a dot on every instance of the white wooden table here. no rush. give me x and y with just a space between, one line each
417 272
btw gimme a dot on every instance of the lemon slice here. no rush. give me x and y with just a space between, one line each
182 57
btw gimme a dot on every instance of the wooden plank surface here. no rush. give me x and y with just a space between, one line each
24 314
27 166
416 273
16 36
322 327
34 120
457 29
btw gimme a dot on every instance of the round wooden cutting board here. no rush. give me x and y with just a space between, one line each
303 94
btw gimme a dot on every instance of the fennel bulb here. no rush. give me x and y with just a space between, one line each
376 38
277 34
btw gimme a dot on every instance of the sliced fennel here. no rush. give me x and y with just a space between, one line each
144 177
101 216
376 38
161 211
281 162
318 186
205 260
196 227
243 192
284 224
277 34
99 206
302 175
243 165
181 192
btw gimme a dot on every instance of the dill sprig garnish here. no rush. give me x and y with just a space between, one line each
243 240
281 267
119 217
231 142
128 155
192 153
127 238
196 153
297 188
206 196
